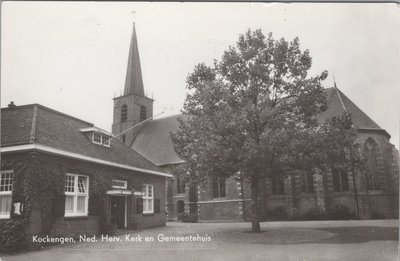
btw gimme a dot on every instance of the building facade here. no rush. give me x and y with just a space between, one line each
371 194
64 177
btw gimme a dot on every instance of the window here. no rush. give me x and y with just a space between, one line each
96 137
76 195
105 140
143 113
123 138
101 139
121 184
181 184
371 151
124 113
340 180
218 187
6 187
278 187
307 182
148 198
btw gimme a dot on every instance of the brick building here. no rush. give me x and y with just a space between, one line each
374 195
62 176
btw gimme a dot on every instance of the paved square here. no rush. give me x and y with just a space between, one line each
312 240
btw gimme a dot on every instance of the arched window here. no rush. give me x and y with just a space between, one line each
278 185
124 113
307 182
340 180
371 152
143 113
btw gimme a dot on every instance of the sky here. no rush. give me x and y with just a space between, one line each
72 56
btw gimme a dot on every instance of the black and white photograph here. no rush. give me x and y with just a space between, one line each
199 131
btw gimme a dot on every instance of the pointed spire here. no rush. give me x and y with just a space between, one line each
338 93
134 81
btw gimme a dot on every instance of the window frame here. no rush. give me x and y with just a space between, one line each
75 195
146 198
124 113
181 185
337 175
219 183
125 186
307 182
8 192
104 139
277 185
143 113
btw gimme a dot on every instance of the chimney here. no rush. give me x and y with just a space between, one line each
11 105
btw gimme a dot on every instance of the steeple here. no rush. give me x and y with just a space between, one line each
134 81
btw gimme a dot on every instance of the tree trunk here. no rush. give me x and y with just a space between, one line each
255 222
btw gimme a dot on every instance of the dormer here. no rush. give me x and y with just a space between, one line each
98 136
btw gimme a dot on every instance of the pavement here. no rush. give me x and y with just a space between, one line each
300 240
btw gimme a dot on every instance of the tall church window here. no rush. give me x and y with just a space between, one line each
218 188
181 184
124 113
340 180
371 152
143 113
278 187
307 182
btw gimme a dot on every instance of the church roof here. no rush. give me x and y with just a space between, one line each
154 142
37 124
134 81
339 103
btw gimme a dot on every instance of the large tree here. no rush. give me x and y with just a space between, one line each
248 113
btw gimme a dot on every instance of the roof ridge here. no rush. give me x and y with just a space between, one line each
167 117
340 98
32 137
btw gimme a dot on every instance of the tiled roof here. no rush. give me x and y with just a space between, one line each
16 125
339 103
62 132
154 142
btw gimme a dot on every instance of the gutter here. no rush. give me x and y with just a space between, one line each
67 154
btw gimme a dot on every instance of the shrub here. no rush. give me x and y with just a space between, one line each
315 214
278 213
189 218
341 212
12 235
377 215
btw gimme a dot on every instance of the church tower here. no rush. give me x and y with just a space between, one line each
133 106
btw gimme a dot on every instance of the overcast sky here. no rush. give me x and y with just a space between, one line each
72 57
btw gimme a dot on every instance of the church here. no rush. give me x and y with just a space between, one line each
373 194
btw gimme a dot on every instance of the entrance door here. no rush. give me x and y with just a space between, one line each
118 211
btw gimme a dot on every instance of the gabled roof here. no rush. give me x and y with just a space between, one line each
36 124
338 103
154 141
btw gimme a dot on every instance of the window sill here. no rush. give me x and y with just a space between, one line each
76 217
374 192
148 214
5 216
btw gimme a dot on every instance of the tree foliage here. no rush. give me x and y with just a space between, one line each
252 113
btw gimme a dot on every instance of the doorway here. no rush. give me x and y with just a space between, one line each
118 211
180 209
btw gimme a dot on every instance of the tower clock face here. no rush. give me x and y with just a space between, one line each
137 100
117 103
